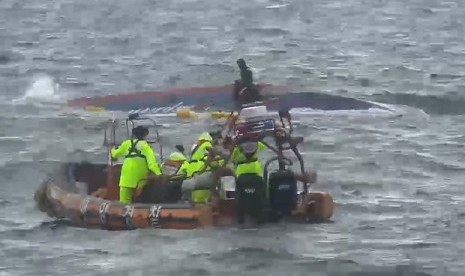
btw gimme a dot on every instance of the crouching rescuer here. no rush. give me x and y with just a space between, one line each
139 160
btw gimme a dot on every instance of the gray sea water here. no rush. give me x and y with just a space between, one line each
397 178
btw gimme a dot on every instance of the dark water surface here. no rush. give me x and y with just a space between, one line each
397 180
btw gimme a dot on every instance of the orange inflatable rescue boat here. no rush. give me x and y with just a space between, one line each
86 194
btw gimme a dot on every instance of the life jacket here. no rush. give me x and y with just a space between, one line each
217 162
196 165
194 149
247 161
249 154
134 151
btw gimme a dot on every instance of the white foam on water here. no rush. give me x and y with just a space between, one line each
277 6
42 89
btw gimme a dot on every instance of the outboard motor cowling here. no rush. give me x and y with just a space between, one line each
282 186
250 197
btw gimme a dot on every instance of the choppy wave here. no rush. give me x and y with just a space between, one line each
397 180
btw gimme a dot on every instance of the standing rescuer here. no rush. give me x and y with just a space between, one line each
245 91
250 185
139 159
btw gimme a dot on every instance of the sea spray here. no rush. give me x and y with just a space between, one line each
42 89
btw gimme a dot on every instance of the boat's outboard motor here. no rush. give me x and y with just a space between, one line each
282 188
250 197
283 192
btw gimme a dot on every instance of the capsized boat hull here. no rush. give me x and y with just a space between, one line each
59 198
218 98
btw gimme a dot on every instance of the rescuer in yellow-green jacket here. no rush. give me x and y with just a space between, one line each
139 159
199 154
200 151
250 185
248 163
